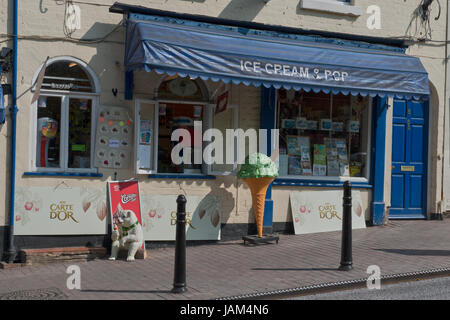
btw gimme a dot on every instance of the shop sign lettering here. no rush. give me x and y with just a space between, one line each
61 211
328 211
63 86
128 197
287 70
173 219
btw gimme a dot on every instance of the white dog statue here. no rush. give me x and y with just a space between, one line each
127 234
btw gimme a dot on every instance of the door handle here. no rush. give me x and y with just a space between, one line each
393 167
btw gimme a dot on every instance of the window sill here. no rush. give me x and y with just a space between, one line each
64 174
332 7
289 182
182 176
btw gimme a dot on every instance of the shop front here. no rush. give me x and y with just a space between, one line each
325 102
329 100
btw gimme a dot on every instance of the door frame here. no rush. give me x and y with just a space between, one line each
427 159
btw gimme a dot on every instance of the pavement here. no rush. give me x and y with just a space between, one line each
232 270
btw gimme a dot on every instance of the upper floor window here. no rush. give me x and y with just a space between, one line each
344 7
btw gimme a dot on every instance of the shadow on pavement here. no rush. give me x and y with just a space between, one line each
126 291
295 269
417 252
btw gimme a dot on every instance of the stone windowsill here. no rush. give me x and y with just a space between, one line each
331 6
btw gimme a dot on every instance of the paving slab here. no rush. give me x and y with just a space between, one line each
233 270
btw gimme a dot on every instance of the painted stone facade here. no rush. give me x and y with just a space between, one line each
41 35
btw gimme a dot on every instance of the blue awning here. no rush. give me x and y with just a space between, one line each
221 54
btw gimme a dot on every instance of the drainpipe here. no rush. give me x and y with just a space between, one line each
11 253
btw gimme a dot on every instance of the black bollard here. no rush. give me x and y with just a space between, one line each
179 282
346 249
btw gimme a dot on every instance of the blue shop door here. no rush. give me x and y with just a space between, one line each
409 160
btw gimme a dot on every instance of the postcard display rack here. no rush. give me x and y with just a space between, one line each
315 146
113 139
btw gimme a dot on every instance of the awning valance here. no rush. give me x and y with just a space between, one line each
220 54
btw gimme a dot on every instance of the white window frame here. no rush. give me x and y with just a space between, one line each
235 108
65 96
319 179
332 6
64 134
207 119
154 136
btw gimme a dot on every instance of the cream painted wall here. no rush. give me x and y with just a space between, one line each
38 20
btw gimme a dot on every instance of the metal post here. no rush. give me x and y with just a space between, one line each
179 282
346 249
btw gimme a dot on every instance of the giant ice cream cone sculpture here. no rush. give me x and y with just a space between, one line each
258 172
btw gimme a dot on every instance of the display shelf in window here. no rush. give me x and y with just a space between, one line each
323 119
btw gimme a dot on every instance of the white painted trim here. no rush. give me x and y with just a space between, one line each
64 134
331 6
155 135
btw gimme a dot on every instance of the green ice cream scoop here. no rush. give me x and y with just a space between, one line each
258 165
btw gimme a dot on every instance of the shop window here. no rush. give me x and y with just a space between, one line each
181 103
323 136
64 127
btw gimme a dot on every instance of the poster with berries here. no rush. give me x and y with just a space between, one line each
113 138
159 217
321 211
59 210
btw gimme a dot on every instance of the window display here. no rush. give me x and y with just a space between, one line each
63 137
64 118
177 116
48 132
323 134
80 111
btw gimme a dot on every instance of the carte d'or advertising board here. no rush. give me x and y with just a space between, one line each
60 210
321 211
159 214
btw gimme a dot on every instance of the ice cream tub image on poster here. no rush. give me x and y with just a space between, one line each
159 216
322 211
60 210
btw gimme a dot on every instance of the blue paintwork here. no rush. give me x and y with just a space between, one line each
166 47
287 182
64 174
363 43
129 85
181 176
409 148
267 121
378 147
13 119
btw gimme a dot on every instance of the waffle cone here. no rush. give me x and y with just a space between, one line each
258 188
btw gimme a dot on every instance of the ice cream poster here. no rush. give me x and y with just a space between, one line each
159 217
59 210
321 211
125 194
